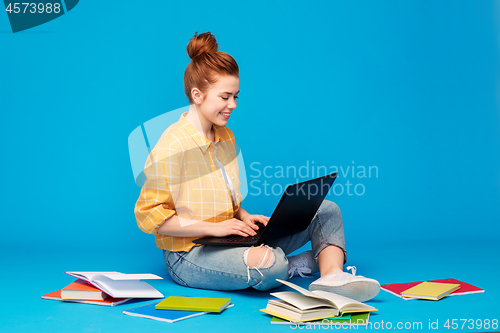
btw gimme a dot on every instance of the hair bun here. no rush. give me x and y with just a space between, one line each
202 43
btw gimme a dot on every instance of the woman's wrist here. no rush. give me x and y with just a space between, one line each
181 227
241 214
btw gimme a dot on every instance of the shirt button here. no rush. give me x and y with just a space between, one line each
232 178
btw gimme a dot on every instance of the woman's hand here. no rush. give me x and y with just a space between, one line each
232 227
250 220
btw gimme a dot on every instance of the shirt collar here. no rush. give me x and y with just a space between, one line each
199 138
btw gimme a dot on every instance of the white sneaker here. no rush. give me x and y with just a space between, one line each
352 286
301 264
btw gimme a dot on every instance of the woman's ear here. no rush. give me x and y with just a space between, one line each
197 96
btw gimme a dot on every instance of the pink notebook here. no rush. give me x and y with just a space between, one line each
398 288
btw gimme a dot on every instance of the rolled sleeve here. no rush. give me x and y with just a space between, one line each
156 202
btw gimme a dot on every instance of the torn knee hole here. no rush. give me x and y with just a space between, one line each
259 257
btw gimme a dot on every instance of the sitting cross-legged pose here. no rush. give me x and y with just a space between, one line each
192 190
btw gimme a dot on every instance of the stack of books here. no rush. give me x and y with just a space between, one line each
316 307
105 288
175 308
431 290
354 319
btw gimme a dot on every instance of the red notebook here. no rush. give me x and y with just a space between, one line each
110 301
82 290
398 288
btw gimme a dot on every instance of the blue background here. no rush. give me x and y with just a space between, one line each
407 86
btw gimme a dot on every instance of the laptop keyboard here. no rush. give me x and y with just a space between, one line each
249 239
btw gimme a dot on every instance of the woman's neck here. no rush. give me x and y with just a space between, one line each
199 122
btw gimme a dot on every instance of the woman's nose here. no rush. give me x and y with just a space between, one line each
232 104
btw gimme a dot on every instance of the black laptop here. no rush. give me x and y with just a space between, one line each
295 210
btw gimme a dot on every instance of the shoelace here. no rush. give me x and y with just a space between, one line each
300 271
300 268
352 268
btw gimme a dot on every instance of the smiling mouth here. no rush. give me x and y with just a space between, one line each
225 114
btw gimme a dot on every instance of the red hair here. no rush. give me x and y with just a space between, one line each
207 64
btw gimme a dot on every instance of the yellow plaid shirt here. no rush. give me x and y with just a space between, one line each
183 178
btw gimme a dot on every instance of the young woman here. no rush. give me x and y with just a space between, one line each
192 190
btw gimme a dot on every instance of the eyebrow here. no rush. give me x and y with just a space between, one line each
228 92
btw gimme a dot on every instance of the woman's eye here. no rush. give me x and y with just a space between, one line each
226 98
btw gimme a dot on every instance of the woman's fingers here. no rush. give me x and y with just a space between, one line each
250 231
243 227
264 219
253 225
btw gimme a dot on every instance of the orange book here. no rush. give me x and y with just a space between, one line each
82 290
110 301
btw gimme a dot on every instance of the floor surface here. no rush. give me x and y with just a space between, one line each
28 274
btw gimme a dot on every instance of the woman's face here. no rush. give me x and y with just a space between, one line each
220 100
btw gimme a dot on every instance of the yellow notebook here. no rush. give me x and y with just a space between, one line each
182 303
430 290
295 319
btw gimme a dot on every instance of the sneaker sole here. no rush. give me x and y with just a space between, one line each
360 291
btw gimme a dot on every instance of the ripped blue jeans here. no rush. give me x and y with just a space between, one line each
224 268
